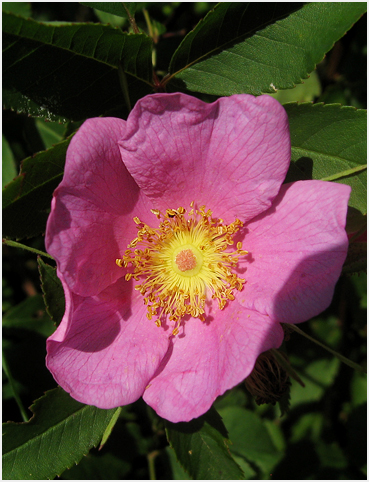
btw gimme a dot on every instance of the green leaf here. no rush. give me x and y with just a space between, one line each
110 19
120 9
317 376
99 467
327 140
11 388
178 473
30 315
309 90
53 291
201 447
356 260
27 199
19 8
258 47
251 439
55 71
358 389
110 427
59 434
51 132
9 170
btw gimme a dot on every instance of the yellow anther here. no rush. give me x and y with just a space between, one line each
156 212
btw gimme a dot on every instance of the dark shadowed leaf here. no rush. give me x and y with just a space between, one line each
27 199
258 47
29 315
106 466
120 9
201 447
65 72
52 290
19 8
9 169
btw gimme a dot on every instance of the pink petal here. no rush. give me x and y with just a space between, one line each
231 155
91 222
105 351
297 249
208 359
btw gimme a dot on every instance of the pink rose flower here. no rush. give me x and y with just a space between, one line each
159 302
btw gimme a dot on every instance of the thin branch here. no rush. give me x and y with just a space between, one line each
14 244
338 355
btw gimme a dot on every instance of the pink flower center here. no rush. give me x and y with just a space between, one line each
186 260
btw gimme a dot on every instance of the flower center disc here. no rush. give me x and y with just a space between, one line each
187 260
183 261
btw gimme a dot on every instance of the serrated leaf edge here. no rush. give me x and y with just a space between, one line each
33 409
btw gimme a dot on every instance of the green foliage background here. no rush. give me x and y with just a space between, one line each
323 434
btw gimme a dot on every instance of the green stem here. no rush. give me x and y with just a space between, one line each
15 394
124 86
14 244
131 20
148 23
151 461
338 355
346 173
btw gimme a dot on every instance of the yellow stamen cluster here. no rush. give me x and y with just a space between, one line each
181 260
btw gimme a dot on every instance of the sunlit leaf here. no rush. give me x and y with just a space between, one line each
250 438
258 47
327 140
59 434
309 90
110 427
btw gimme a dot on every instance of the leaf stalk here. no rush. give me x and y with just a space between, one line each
338 355
14 244
12 386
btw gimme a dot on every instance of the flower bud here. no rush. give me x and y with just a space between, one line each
268 381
